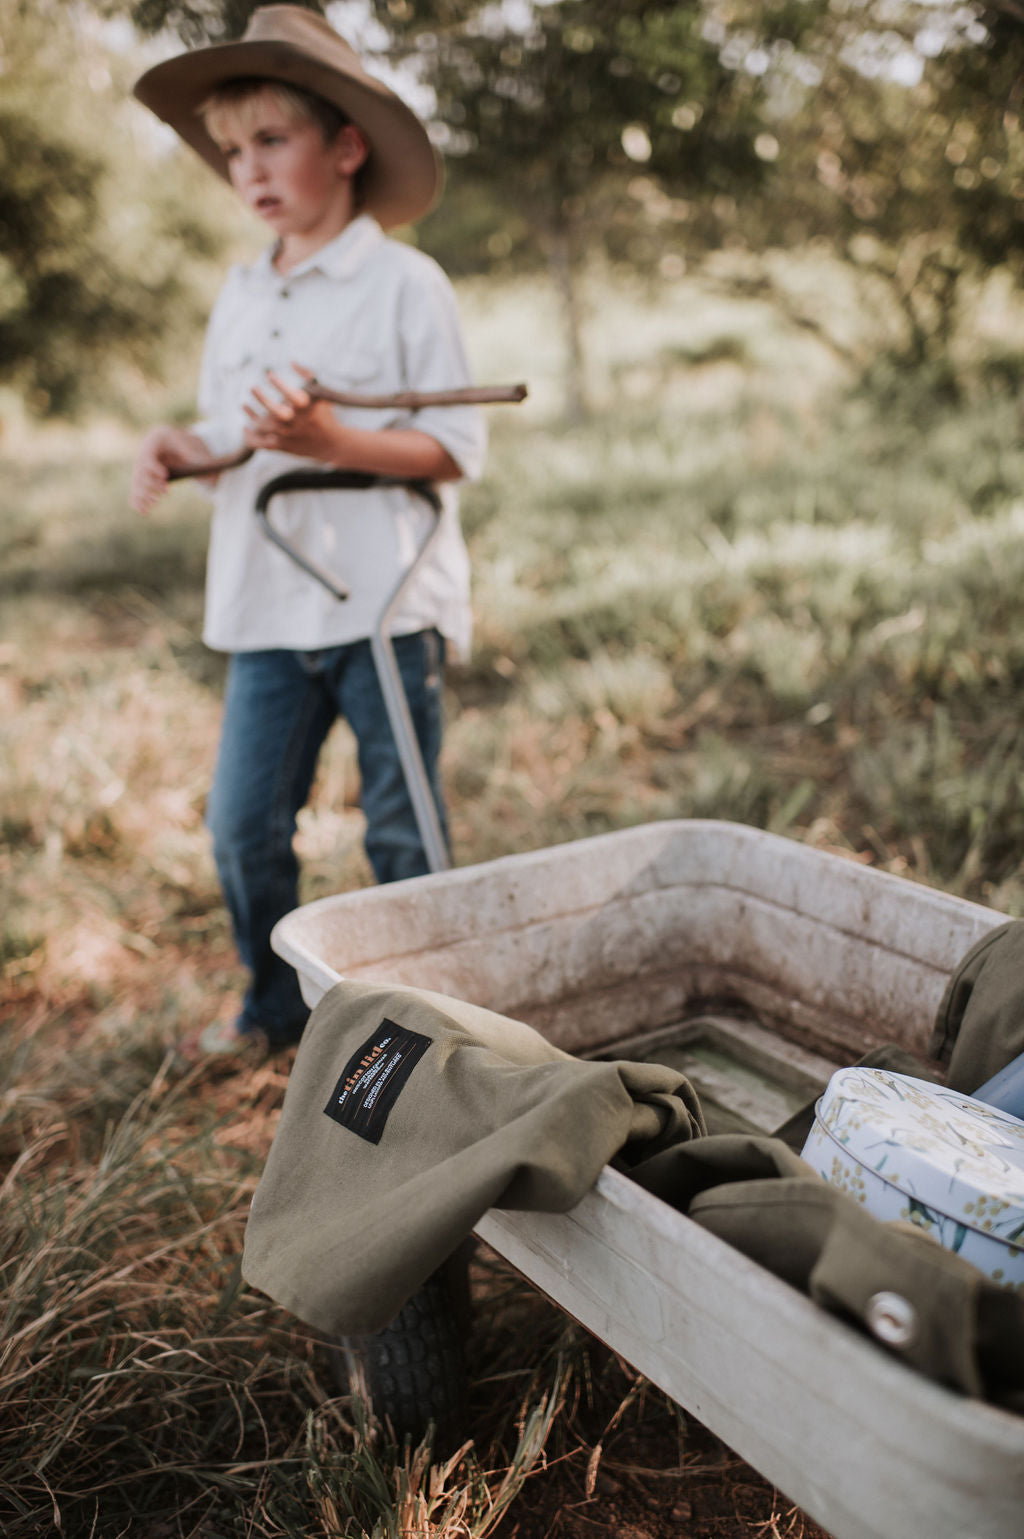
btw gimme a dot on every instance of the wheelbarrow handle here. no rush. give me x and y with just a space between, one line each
403 400
318 478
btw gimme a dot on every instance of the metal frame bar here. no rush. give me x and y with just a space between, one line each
381 647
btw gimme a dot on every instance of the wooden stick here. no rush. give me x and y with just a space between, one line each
403 400
209 467
413 400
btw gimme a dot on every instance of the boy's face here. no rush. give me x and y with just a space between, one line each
281 167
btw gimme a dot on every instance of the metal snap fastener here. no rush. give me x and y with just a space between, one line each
893 1319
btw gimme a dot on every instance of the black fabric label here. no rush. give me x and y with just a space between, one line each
374 1078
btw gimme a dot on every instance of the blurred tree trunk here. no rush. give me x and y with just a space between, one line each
558 107
564 267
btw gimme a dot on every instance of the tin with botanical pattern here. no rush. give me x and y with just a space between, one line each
911 1150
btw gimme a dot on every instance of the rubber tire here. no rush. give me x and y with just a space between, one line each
413 1372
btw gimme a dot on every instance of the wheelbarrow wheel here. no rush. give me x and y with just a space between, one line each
413 1372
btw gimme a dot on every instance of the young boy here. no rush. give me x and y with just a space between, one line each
328 157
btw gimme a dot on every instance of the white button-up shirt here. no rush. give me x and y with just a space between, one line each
367 314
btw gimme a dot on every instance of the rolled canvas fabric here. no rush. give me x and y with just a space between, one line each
760 1197
979 1026
407 1116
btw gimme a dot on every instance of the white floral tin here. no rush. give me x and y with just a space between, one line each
916 1151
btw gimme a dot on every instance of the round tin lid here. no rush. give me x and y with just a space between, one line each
943 1150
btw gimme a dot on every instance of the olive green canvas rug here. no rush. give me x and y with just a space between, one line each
407 1116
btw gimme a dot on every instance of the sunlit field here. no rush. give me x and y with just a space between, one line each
762 582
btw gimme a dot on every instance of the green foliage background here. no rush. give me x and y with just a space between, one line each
112 246
652 135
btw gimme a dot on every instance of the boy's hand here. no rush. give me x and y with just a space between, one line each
298 424
295 423
162 449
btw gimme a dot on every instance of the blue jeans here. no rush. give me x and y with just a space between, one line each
279 707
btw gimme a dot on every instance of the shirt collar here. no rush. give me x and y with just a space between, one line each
341 258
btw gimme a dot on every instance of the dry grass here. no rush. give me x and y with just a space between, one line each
145 1389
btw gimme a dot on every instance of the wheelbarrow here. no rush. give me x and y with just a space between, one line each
757 966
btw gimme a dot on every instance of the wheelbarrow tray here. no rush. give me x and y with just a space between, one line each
643 942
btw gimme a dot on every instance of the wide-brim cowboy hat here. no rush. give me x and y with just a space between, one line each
402 176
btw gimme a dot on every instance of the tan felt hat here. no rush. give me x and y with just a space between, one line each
402 178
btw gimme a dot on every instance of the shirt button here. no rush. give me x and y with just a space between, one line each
893 1319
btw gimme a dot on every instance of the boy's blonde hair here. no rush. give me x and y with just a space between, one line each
235 102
